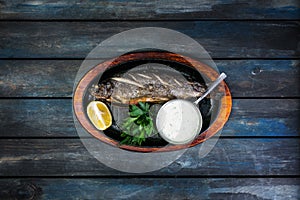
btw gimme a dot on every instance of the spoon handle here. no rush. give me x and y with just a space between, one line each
211 87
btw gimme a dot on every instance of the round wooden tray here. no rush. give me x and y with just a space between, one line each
79 104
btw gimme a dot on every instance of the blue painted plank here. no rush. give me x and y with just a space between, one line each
154 188
150 10
222 39
53 118
262 78
55 78
68 157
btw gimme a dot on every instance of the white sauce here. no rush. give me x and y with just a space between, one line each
179 121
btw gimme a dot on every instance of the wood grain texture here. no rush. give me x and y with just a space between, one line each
154 10
55 78
154 188
68 157
53 118
39 143
47 118
237 39
37 78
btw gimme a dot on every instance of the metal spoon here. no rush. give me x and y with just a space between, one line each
211 87
179 121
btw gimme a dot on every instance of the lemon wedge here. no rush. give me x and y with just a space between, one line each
99 115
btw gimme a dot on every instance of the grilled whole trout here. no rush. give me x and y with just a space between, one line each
154 87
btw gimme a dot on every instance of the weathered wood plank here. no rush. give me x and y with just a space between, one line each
46 118
154 10
55 78
68 157
222 39
154 188
262 78
37 78
53 118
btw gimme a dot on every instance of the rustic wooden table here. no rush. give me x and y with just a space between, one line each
42 44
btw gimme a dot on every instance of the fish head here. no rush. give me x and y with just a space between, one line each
102 91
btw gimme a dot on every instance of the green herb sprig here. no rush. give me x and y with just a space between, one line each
138 126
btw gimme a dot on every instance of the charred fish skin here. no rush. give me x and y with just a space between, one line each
146 87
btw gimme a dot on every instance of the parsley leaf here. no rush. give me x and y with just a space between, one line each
138 126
